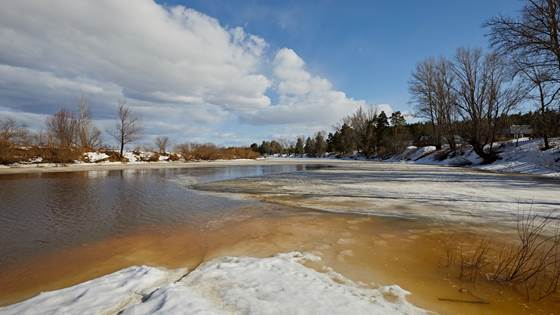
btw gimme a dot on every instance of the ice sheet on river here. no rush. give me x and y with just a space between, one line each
230 285
406 190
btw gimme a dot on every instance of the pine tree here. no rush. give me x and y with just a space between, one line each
309 147
300 146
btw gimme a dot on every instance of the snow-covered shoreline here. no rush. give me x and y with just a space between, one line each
280 284
521 156
110 166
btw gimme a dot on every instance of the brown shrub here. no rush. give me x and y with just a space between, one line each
531 263
152 158
206 152
210 152
10 154
174 157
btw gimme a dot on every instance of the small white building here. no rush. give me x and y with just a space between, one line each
520 131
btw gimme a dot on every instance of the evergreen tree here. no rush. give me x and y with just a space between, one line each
255 147
397 120
299 150
320 145
309 147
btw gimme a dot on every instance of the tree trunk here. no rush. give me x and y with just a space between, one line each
487 157
543 119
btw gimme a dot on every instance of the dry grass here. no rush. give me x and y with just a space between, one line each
210 152
10 154
531 263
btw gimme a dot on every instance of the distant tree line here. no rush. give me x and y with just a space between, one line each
69 134
368 132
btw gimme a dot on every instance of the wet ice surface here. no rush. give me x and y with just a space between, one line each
230 285
407 190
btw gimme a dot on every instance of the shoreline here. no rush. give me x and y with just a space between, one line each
118 166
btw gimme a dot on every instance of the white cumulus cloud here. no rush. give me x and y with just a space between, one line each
180 69
302 97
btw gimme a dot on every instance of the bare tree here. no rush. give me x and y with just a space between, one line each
485 95
12 132
162 143
445 100
88 135
432 90
545 91
535 36
127 129
62 128
422 88
532 43
362 123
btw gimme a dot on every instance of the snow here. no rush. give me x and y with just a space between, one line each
131 157
420 152
527 158
106 294
94 157
36 160
229 285
524 157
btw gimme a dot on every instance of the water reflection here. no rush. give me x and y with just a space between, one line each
47 211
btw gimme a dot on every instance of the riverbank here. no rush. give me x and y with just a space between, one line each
115 166
523 156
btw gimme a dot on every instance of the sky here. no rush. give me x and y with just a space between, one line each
229 72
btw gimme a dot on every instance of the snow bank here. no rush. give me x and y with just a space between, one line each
240 285
131 156
527 158
524 157
95 156
106 294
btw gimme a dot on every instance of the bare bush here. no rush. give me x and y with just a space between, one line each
12 134
531 263
62 129
209 151
88 136
162 143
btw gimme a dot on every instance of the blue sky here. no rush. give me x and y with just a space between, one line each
365 48
229 72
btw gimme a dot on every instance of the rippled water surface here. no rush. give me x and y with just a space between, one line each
41 212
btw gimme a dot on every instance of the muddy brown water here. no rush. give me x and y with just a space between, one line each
50 211
61 229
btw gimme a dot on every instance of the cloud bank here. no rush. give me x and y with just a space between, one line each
181 70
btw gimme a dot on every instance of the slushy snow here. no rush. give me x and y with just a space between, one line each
230 285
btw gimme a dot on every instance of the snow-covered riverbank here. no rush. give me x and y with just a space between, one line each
230 285
523 156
